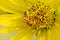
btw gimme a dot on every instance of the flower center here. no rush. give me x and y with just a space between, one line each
40 16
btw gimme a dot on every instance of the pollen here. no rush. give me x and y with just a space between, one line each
40 16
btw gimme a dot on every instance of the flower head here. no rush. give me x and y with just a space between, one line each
32 18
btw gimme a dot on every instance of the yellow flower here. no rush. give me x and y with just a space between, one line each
32 18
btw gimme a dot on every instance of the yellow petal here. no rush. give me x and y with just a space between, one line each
40 36
28 36
10 6
25 34
11 22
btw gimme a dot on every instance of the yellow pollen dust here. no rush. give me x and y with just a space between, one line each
39 16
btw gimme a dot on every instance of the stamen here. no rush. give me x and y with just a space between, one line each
40 16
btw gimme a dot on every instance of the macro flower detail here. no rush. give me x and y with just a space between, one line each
33 19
